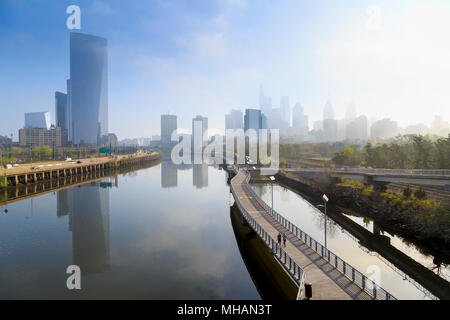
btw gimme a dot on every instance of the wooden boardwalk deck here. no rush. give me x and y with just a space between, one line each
328 283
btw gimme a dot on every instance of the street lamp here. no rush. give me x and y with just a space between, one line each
325 200
272 179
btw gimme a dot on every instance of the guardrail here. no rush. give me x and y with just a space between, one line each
369 286
424 172
291 267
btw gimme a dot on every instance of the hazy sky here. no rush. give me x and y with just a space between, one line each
189 57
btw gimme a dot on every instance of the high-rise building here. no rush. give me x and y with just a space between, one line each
233 121
285 112
61 110
88 89
252 119
300 121
199 133
168 126
357 129
328 111
69 112
265 103
39 120
383 129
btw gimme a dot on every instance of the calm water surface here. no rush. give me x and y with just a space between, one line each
312 221
158 233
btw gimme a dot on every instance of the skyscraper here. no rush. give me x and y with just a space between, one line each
300 120
199 133
168 126
285 112
234 120
88 89
61 110
39 120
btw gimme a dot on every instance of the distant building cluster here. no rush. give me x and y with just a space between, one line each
81 114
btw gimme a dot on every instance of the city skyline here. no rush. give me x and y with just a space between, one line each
169 74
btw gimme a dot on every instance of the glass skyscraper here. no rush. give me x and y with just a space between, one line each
88 89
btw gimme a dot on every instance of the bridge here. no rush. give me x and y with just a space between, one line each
303 259
25 174
380 177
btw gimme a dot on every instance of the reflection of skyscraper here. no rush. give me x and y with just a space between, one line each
88 209
90 228
169 175
88 89
200 175
64 202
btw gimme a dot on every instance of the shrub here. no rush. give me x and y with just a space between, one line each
420 193
407 192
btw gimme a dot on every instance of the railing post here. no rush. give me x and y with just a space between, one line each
374 290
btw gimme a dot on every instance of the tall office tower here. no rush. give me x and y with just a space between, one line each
330 125
357 129
265 103
285 112
350 113
383 129
234 120
263 121
328 111
89 89
252 119
39 120
300 121
168 126
199 133
61 111
69 112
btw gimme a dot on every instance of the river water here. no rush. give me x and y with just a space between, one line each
157 233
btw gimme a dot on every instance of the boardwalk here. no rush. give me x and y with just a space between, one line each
328 282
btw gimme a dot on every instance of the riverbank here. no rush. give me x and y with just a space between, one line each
418 220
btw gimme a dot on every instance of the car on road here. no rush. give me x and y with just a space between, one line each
79 161
67 159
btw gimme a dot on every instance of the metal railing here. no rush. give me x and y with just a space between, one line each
290 266
425 172
366 284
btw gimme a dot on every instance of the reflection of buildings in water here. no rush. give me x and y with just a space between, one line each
284 195
88 210
63 199
200 175
169 175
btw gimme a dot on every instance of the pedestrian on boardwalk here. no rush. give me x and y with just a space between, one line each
279 238
284 239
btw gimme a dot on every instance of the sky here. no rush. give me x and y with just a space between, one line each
205 57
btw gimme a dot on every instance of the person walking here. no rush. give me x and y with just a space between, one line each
284 239
279 238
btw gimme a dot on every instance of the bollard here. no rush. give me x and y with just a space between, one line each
308 291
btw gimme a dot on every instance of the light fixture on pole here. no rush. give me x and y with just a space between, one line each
325 200
272 179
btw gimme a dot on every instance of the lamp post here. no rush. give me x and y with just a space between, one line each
272 179
325 200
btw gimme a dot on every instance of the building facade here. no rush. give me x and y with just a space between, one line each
88 89
38 120
168 126
37 137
